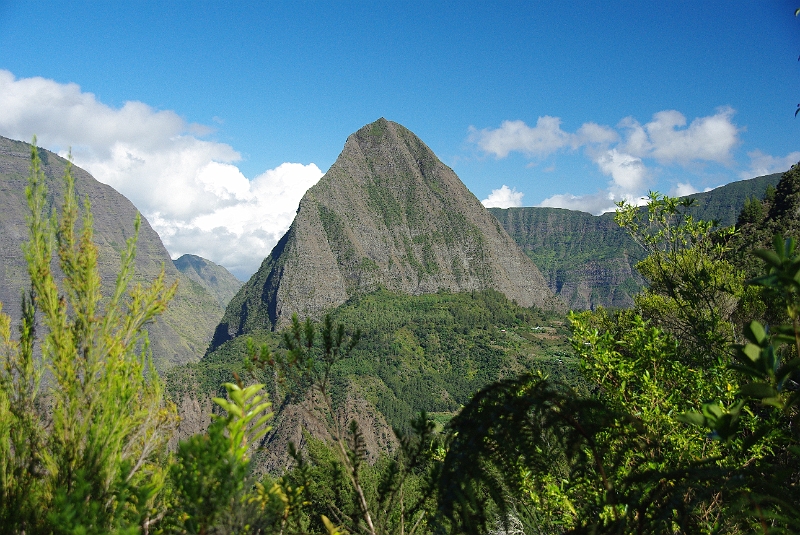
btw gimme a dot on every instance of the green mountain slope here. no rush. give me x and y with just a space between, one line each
588 260
724 203
427 352
779 214
182 333
218 281
387 214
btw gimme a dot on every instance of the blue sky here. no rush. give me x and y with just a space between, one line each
213 118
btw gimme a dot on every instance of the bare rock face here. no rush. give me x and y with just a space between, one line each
182 333
295 423
387 214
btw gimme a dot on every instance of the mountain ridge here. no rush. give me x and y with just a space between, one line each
182 333
589 261
216 279
387 214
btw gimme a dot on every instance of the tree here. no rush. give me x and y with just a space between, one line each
624 460
393 497
693 289
208 475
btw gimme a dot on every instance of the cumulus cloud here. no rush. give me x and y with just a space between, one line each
515 136
683 189
504 197
595 204
628 154
188 188
664 138
594 134
629 177
627 172
763 164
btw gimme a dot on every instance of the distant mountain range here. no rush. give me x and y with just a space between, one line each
589 261
218 281
388 214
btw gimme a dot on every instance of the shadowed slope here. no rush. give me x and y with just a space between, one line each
218 281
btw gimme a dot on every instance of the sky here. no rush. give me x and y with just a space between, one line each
214 118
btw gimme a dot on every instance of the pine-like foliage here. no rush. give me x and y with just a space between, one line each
82 418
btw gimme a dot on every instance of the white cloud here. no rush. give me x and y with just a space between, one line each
503 198
187 187
683 189
241 233
628 179
595 204
630 154
515 136
711 138
627 172
763 164
666 138
593 133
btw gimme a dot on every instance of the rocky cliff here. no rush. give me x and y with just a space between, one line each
182 333
387 214
587 260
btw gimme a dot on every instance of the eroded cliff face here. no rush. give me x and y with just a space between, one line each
387 214
588 261
182 333
295 423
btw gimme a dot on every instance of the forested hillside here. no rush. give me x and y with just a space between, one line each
416 353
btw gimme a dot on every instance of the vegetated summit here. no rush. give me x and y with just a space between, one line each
387 214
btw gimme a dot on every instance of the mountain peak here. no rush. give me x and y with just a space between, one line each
215 279
387 214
